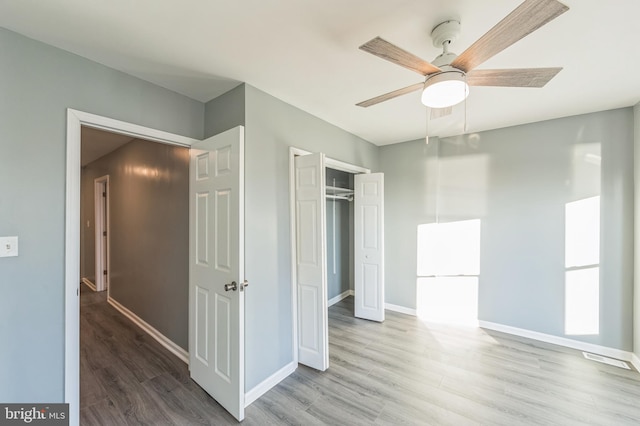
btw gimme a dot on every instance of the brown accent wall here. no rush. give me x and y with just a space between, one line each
149 232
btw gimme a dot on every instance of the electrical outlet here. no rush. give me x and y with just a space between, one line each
8 246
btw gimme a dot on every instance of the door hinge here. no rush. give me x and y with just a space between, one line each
104 272
104 233
104 194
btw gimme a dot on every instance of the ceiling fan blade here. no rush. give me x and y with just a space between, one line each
517 77
525 19
391 95
392 53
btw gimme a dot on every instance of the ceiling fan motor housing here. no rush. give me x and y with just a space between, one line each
444 59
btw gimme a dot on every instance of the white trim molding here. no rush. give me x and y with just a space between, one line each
340 297
560 341
88 283
151 331
292 233
71 271
635 360
124 128
400 309
268 383
75 120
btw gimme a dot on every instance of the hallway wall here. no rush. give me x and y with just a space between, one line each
149 228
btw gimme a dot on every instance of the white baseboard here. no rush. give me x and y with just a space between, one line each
264 386
389 306
340 297
159 337
635 360
401 309
561 341
89 284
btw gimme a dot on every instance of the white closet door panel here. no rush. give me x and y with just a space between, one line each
311 262
369 246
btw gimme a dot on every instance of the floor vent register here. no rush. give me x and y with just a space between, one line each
605 360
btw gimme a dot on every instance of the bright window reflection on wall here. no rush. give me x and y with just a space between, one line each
582 262
448 270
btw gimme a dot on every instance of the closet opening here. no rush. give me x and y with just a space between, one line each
337 247
339 235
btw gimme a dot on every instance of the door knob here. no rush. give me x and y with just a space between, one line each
233 286
244 284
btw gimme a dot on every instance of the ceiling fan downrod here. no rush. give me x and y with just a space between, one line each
443 35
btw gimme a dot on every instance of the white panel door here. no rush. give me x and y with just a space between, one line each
216 262
369 246
101 185
311 261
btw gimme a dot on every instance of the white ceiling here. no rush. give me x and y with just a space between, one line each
306 53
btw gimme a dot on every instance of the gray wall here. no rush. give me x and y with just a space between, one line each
407 169
38 83
149 224
339 259
517 180
271 127
225 112
636 287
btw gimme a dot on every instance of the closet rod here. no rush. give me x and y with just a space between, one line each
335 190
339 197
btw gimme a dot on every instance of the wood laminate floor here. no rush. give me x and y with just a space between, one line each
400 372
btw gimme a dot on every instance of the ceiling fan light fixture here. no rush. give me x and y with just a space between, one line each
445 89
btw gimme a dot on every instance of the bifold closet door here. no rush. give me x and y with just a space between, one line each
369 246
311 261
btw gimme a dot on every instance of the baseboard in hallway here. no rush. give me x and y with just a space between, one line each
89 284
151 331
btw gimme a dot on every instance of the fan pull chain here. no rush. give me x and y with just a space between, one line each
465 105
426 138
437 194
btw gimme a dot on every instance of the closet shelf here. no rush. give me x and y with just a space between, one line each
337 193
334 190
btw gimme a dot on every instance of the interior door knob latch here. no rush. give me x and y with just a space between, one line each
234 286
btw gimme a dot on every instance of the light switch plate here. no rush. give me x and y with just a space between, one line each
8 246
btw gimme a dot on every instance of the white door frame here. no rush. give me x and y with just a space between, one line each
76 119
333 164
101 225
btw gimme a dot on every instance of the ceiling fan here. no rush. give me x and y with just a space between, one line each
449 76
